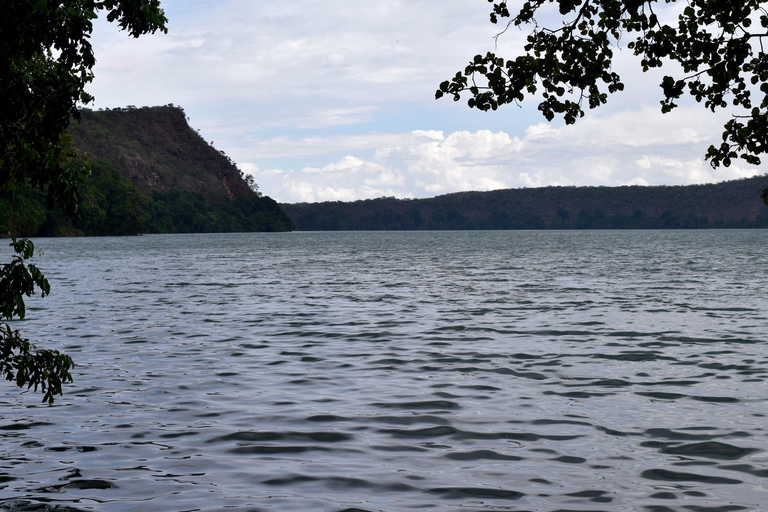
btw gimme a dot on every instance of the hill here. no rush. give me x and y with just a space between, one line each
731 204
156 149
151 173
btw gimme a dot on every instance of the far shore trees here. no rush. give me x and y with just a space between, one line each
46 61
717 45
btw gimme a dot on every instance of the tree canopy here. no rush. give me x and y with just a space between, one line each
46 61
716 44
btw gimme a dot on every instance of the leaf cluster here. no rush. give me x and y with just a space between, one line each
17 279
21 361
717 43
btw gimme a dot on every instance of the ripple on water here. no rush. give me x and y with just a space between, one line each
379 372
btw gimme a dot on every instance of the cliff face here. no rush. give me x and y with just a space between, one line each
156 149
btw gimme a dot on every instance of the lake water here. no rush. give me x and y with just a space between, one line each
398 371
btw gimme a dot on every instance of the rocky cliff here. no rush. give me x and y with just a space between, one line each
156 149
150 173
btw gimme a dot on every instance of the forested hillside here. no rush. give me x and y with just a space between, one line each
151 173
732 204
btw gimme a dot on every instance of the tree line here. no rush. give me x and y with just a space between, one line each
733 204
113 205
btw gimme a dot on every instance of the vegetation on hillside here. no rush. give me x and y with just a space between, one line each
149 173
732 204
113 205
157 149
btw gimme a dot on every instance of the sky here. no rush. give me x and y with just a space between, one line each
334 101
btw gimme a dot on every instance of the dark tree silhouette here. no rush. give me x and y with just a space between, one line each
718 45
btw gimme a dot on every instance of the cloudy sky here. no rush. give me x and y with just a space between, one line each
334 100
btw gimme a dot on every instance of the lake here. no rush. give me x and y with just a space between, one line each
396 371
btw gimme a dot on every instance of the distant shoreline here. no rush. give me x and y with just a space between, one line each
732 204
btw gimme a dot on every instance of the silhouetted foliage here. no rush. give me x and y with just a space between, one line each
20 361
715 46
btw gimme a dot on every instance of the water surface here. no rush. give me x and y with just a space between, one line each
395 371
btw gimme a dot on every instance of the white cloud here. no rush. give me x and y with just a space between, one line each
540 131
428 162
429 134
636 181
338 59
387 178
273 172
645 126
348 163
334 101
423 164
286 147
303 191
249 168
526 180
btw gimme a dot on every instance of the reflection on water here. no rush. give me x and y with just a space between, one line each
540 371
